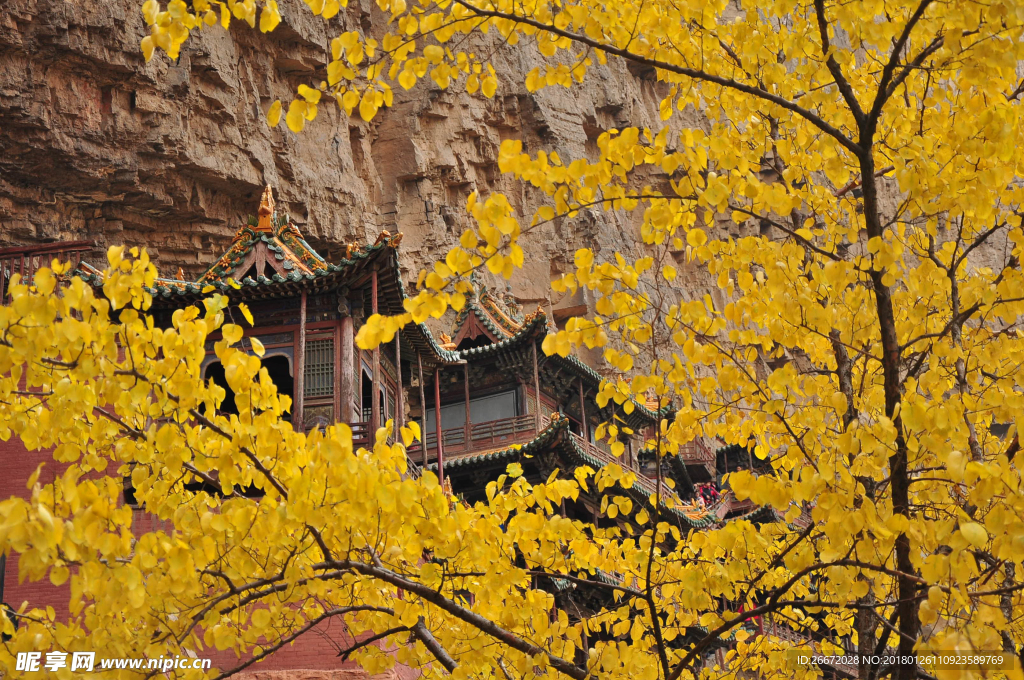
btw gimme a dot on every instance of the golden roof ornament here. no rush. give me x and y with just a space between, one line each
531 317
180 276
266 211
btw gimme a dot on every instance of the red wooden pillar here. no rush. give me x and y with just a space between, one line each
399 397
300 369
437 424
467 439
348 371
336 376
583 415
423 409
375 392
536 386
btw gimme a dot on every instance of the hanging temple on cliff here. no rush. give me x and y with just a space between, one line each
488 389
485 397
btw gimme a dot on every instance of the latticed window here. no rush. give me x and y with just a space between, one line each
319 373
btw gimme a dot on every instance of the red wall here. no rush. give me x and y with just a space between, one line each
313 651
17 465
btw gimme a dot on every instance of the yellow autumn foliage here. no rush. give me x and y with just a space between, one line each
860 334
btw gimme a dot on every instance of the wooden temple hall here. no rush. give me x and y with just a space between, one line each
485 397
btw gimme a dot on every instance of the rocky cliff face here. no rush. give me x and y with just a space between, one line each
97 144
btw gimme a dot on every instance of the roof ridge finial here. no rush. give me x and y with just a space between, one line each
266 211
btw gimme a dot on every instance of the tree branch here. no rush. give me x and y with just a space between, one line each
696 74
887 85
476 620
833 66
421 633
344 654
283 641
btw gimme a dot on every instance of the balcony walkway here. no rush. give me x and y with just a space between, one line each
27 260
697 452
502 434
493 434
498 435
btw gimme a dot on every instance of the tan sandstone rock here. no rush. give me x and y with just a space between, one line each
95 143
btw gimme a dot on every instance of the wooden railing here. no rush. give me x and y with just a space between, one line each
496 434
744 506
27 260
360 435
492 434
643 482
598 452
721 507
697 453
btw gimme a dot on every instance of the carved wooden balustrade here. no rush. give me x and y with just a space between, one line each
499 434
697 452
488 436
27 260
360 435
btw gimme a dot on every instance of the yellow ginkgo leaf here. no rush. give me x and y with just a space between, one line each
232 333
406 78
696 237
974 533
310 94
368 105
270 16
274 114
244 309
488 86
261 618
296 117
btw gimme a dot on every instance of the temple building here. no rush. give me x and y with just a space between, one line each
485 395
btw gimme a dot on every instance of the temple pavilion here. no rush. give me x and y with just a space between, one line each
485 395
